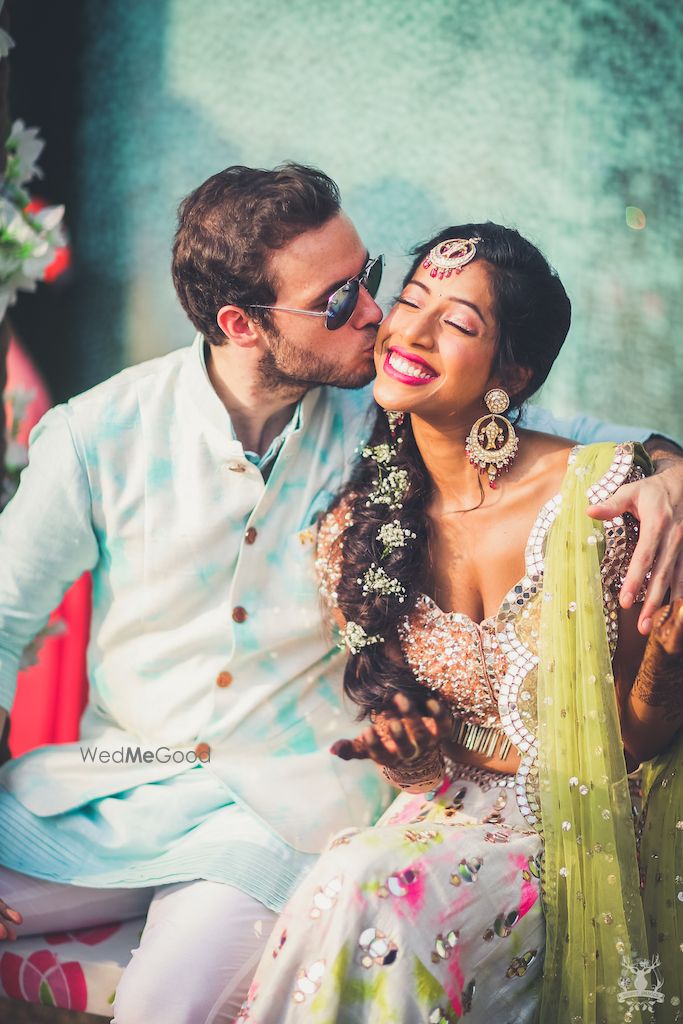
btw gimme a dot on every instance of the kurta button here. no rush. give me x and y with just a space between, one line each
239 614
202 750
251 535
237 467
223 679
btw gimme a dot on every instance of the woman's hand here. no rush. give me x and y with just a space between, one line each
395 740
660 679
8 918
657 504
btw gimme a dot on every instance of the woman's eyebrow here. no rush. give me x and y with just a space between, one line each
453 298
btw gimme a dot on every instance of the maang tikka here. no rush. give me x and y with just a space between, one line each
492 443
451 255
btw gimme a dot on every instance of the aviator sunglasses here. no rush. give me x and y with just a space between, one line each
343 301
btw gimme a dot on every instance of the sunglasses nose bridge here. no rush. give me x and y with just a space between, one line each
365 309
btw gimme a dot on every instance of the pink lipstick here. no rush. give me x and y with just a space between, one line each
408 369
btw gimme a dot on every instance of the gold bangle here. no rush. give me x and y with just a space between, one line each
429 768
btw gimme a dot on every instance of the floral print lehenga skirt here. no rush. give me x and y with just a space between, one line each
432 915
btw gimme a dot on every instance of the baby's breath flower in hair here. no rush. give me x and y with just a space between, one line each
381 453
390 489
393 535
376 580
355 638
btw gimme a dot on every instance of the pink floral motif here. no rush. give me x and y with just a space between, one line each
408 812
419 808
527 898
243 1017
529 893
41 978
405 889
453 985
88 936
444 787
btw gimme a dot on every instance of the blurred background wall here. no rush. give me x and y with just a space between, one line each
560 118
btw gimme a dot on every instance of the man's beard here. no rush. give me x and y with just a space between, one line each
286 368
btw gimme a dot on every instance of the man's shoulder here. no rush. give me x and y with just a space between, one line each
349 405
343 416
118 397
125 384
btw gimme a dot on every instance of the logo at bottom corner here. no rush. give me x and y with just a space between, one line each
640 984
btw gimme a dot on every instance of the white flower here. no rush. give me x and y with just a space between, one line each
381 453
355 637
27 247
376 579
390 489
6 41
23 146
393 535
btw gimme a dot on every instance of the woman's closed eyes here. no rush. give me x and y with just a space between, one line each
406 301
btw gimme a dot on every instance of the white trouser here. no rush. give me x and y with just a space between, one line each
197 954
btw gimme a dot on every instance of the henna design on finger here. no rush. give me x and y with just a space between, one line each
659 682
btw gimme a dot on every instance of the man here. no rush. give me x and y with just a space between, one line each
188 486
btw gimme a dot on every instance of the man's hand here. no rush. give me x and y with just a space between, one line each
8 918
394 740
657 503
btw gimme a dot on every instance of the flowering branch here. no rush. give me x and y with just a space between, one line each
28 241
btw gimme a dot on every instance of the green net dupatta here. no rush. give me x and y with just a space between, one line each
661 860
594 916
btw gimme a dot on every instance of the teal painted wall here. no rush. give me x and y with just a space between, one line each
554 117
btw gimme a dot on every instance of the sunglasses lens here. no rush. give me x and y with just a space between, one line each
373 277
341 305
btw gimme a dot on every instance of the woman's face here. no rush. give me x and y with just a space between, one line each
435 349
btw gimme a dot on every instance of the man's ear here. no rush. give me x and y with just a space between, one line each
237 327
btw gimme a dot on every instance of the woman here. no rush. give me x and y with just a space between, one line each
478 603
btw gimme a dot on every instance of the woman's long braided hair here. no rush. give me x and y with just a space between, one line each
533 314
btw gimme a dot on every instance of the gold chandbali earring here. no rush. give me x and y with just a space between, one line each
492 443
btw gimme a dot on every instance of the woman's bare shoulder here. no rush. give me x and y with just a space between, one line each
544 454
545 444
